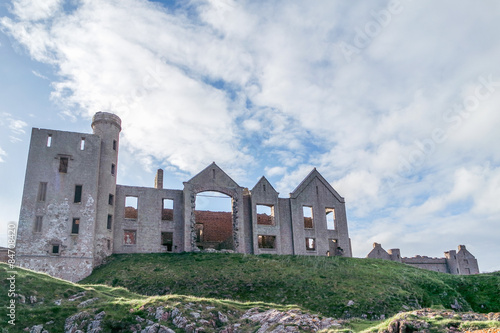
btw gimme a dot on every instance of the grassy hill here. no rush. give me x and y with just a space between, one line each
332 286
219 289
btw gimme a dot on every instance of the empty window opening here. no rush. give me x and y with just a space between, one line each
267 242
63 164
49 140
214 215
334 248
78 194
113 169
317 190
265 214
213 173
330 218
108 242
129 237
42 191
55 249
308 217
466 261
38 223
167 239
111 199
167 211
114 144
310 244
131 207
110 222
467 271
75 226
264 187
82 144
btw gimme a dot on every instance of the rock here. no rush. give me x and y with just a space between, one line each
151 329
36 329
71 323
139 319
165 316
175 312
22 299
456 305
87 302
58 301
222 317
350 303
159 312
164 329
76 296
190 328
32 299
180 322
100 315
94 326
196 315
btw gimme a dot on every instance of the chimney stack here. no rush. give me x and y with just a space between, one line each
159 179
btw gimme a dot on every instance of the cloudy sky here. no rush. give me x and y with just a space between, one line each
396 103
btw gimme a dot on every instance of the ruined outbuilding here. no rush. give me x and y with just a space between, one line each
74 215
458 263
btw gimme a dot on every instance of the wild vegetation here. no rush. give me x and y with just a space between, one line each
359 293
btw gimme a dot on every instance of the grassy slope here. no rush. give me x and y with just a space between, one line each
320 284
120 305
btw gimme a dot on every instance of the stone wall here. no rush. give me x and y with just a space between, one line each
82 216
461 263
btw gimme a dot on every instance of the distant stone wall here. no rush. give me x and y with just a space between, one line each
431 264
458 263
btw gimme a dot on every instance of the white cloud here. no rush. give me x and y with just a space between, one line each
2 155
275 171
17 126
39 75
36 9
265 85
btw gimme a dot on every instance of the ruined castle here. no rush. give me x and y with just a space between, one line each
74 215
458 263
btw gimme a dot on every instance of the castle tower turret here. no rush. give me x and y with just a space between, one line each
107 126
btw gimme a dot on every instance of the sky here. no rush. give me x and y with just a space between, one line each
396 103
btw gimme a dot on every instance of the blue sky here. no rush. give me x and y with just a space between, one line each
395 103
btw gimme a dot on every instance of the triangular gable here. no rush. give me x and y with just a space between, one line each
263 181
378 252
310 177
208 175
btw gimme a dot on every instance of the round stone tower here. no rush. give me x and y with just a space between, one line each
107 126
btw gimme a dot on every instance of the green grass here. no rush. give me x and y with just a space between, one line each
320 284
233 283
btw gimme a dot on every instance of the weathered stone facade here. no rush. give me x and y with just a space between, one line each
73 215
458 263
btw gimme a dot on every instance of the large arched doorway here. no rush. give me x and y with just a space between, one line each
214 221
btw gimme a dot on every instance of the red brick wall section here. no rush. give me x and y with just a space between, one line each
217 226
264 219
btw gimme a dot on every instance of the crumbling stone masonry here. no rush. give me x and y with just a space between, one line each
73 214
458 263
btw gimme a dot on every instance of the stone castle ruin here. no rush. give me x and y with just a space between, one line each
458 263
74 215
